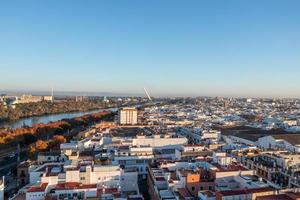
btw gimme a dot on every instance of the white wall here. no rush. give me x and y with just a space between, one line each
34 177
129 181
90 192
159 142
234 173
35 195
72 176
128 116
107 175
269 141
43 158
51 180
242 140
266 142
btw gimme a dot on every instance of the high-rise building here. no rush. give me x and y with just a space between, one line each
128 116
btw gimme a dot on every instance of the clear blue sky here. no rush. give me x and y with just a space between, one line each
201 47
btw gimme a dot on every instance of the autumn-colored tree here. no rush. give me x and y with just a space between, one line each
28 135
31 150
41 145
36 147
56 141
59 139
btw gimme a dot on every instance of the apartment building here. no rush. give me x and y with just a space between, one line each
128 116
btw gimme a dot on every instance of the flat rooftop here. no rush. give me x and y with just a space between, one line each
253 134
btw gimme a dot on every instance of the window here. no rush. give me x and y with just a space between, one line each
193 188
139 161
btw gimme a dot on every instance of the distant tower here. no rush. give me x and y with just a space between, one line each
52 95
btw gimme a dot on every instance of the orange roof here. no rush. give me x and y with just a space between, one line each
40 188
244 191
275 197
73 185
232 167
113 191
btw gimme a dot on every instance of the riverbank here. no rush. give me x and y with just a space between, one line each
20 111
31 121
28 135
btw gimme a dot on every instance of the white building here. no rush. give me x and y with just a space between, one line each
135 157
222 159
2 188
128 116
37 192
72 179
211 134
289 142
129 180
282 159
159 141
75 191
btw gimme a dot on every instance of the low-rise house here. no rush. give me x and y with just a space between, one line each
290 142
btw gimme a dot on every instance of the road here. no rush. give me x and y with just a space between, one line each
7 164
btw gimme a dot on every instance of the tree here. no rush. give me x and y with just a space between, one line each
41 145
58 139
34 148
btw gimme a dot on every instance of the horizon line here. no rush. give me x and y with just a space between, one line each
122 94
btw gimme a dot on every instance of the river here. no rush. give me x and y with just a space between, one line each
30 121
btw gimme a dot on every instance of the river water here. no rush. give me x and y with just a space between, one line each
30 121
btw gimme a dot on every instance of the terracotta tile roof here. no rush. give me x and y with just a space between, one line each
73 185
114 191
275 197
245 191
232 167
40 188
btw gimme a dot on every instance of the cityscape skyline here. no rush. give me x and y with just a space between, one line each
232 48
150 100
137 94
